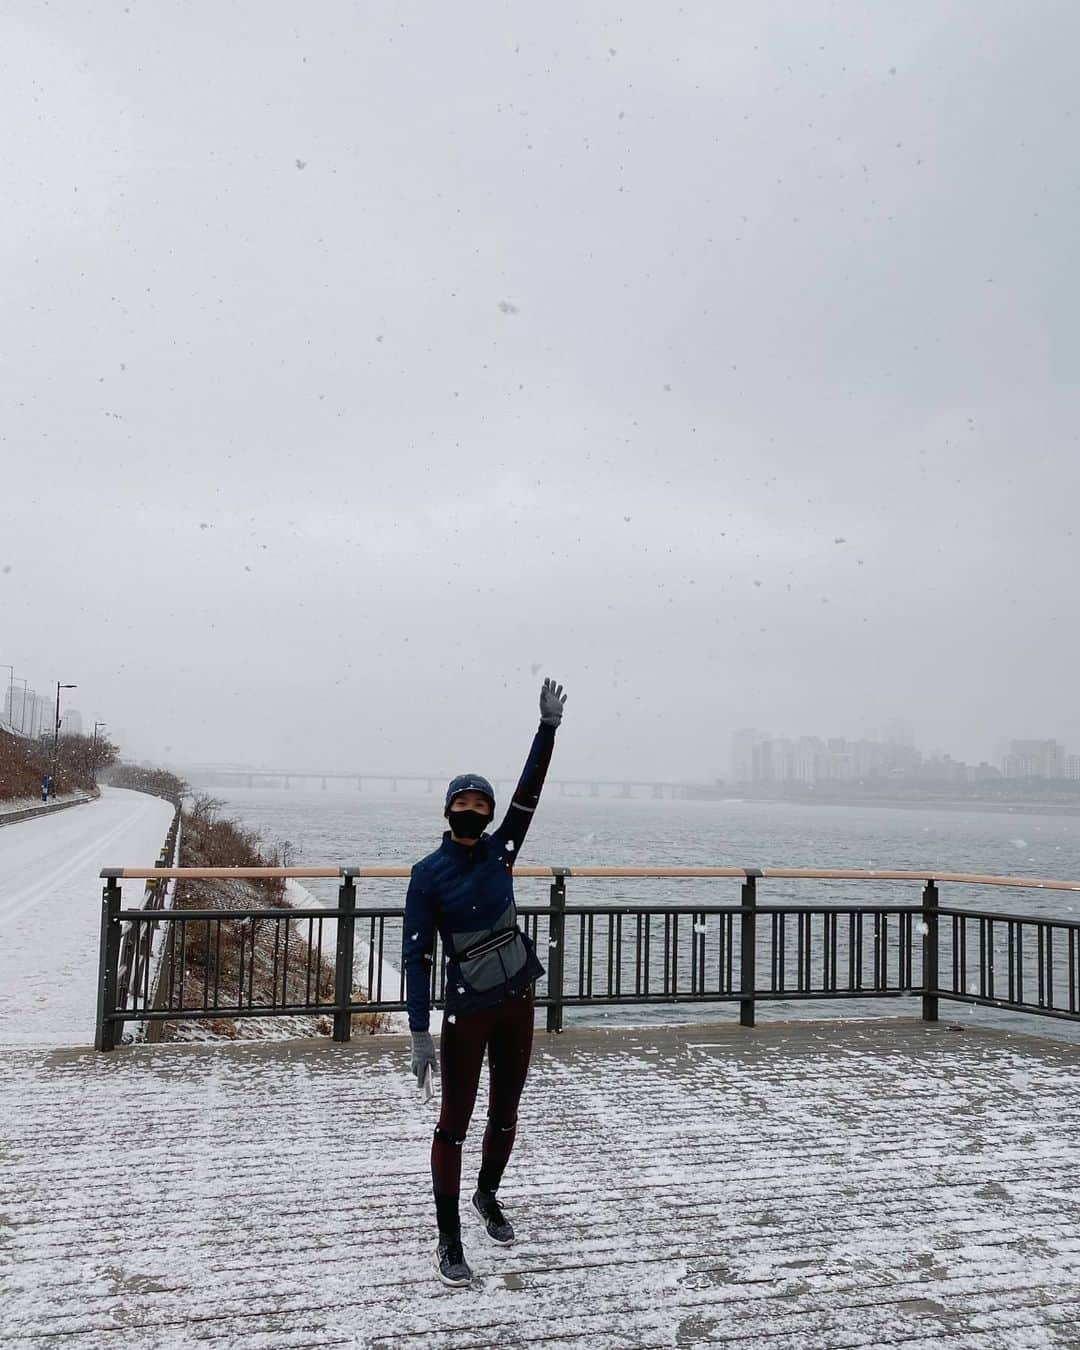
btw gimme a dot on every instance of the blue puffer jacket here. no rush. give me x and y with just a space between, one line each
466 893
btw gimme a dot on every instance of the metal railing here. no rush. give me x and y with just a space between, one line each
262 962
135 962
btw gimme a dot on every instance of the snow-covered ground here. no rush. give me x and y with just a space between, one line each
842 1186
50 910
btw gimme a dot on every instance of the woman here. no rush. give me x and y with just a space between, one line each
465 891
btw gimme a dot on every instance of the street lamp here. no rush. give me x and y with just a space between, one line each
56 724
93 753
22 706
11 691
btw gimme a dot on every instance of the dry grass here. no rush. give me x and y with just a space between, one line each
244 961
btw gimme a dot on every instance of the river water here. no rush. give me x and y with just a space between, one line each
344 826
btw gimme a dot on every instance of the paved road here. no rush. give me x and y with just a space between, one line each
50 910
796 1187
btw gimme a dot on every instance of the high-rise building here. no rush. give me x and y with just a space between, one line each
898 732
15 707
840 761
942 768
1034 759
809 759
743 744
27 712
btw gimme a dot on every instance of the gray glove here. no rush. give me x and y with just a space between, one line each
423 1055
552 699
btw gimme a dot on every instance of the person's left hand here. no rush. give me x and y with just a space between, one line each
552 699
423 1056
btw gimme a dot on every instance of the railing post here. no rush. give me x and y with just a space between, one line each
748 948
108 961
556 936
930 952
343 965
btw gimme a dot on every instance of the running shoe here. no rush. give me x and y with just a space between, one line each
453 1268
498 1227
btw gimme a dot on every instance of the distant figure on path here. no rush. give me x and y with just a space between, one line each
46 783
465 891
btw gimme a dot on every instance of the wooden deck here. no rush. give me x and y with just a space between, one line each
811 1186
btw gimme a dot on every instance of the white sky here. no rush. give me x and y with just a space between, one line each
358 359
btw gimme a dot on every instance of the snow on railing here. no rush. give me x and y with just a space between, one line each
788 873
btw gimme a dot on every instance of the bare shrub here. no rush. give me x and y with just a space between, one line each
156 782
263 961
23 764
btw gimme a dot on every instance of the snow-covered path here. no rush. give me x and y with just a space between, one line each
50 910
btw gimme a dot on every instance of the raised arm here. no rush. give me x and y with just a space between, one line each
523 803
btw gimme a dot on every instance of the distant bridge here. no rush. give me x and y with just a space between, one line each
241 776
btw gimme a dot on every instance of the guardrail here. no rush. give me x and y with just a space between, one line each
597 955
45 809
136 967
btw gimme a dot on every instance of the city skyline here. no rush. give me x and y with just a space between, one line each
757 756
28 713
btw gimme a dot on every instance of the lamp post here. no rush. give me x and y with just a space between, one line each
11 691
56 724
22 705
93 753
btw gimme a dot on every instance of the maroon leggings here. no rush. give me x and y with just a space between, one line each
506 1033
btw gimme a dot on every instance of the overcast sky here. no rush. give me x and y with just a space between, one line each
361 363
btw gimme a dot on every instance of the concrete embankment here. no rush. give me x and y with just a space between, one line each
12 812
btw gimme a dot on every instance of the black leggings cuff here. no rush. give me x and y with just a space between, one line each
448 1214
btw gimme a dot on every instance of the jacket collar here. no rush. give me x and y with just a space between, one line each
464 852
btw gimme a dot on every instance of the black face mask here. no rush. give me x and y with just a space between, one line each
468 824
